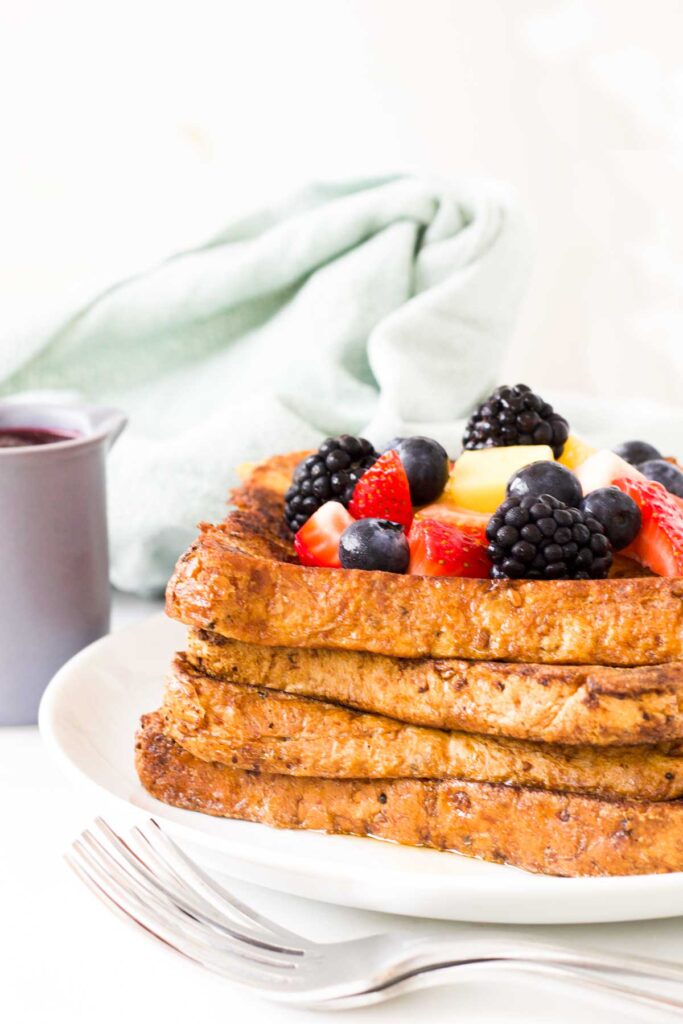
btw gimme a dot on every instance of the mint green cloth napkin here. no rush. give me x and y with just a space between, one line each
378 308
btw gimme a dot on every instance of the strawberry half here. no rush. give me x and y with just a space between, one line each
472 523
383 492
437 549
317 542
659 543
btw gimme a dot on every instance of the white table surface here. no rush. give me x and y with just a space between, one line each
65 959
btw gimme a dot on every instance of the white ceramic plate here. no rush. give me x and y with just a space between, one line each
88 719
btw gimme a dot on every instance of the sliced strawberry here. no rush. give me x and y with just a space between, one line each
383 492
659 543
317 542
472 523
437 549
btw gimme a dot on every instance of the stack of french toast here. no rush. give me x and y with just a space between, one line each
506 684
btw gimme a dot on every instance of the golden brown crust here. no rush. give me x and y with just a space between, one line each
553 833
569 704
282 734
240 579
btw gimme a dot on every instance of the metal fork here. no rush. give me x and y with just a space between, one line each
147 878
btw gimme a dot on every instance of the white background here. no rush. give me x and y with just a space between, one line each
133 128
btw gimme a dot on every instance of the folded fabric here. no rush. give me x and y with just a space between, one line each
378 307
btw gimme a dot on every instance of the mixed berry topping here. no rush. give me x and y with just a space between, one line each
525 500
330 474
541 538
515 416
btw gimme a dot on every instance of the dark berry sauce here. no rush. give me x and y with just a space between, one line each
28 437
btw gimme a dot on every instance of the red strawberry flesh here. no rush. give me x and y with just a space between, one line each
317 542
470 522
383 492
438 549
659 543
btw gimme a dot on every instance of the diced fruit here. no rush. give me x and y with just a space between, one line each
426 464
546 478
374 544
665 473
479 477
383 492
618 513
602 469
471 523
437 549
317 542
636 452
659 543
575 451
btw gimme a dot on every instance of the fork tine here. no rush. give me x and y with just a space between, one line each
192 875
158 864
177 933
182 898
72 858
166 909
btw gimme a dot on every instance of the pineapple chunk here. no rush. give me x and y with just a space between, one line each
479 478
575 451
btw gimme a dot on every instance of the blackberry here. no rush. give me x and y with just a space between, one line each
541 538
515 415
330 474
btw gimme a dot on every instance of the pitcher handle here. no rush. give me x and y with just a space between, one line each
106 422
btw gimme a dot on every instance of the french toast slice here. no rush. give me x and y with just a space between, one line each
256 729
568 704
241 579
552 833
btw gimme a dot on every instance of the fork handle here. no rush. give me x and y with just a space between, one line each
423 954
452 973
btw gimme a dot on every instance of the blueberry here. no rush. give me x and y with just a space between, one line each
546 478
664 473
426 464
616 511
636 452
374 544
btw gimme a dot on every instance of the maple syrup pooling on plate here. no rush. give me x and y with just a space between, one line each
29 437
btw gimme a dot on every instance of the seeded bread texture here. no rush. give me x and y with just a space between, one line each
552 833
570 704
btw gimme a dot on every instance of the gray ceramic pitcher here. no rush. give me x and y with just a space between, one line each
54 566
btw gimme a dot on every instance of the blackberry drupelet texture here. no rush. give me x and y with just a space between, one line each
330 474
541 538
515 416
